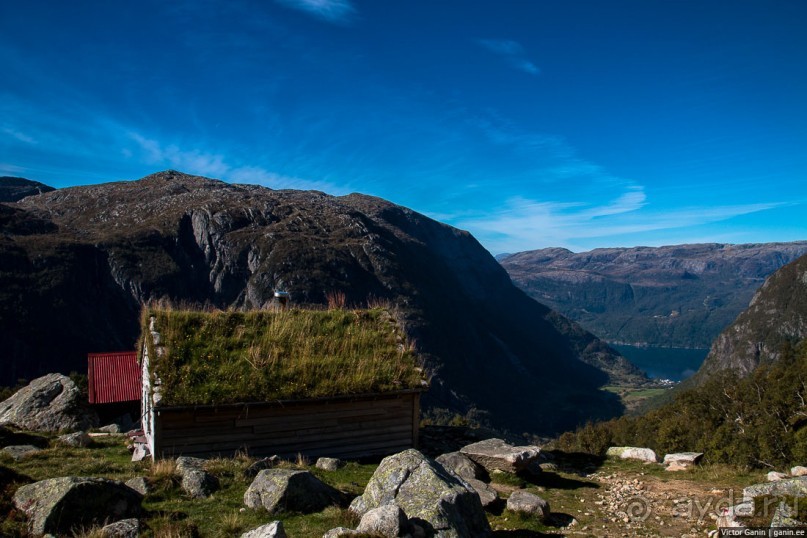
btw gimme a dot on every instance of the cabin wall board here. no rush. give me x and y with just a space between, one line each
353 427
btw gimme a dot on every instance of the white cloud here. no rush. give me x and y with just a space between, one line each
19 135
513 52
334 11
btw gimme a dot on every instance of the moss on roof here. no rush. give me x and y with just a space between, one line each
213 358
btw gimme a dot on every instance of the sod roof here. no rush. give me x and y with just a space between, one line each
213 358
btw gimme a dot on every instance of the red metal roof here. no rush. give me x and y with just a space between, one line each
113 377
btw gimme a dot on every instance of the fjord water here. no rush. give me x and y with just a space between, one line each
672 363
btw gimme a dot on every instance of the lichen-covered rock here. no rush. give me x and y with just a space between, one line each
683 458
341 532
632 453
792 487
329 464
388 521
785 516
495 454
528 503
292 490
775 476
195 481
125 528
48 404
461 465
270 530
61 504
432 497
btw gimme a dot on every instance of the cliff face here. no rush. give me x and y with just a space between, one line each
775 320
676 296
77 264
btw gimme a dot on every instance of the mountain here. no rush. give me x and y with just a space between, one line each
772 325
673 296
17 188
76 265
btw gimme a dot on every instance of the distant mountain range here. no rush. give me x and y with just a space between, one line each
17 188
674 296
76 264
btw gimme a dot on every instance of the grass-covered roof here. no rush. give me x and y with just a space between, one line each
213 358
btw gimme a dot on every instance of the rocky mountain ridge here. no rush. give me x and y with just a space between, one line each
673 296
77 264
773 324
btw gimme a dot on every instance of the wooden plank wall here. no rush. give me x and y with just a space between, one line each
375 426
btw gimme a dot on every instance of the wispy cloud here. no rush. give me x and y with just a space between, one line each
333 11
216 165
523 224
513 52
19 135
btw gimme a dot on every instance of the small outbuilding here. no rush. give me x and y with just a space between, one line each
113 384
341 383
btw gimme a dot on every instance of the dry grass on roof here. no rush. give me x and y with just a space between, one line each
229 357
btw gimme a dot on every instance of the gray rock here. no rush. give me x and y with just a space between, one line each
110 428
139 484
48 404
487 495
260 465
341 532
75 440
632 453
798 470
388 521
793 487
461 465
59 505
495 454
185 463
774 476
270 530
199 484
329 464
19 452
683 458
125 528
527 503
432 497
288 489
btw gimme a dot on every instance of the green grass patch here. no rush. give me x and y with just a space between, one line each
229 357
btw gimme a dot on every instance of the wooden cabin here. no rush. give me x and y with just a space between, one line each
318 383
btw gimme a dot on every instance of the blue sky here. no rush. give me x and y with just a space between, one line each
539 123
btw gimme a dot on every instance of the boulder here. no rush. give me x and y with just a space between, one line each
774 476
524 502
18 452
48 404
329 464
495 454
195 481
683 458
265 463
461 465
433 498
59 505
341 532
270 530
487 495
632 453
798 471
139 484
388 521
110 428
10 437
75 440
288 489
792 487
125 528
